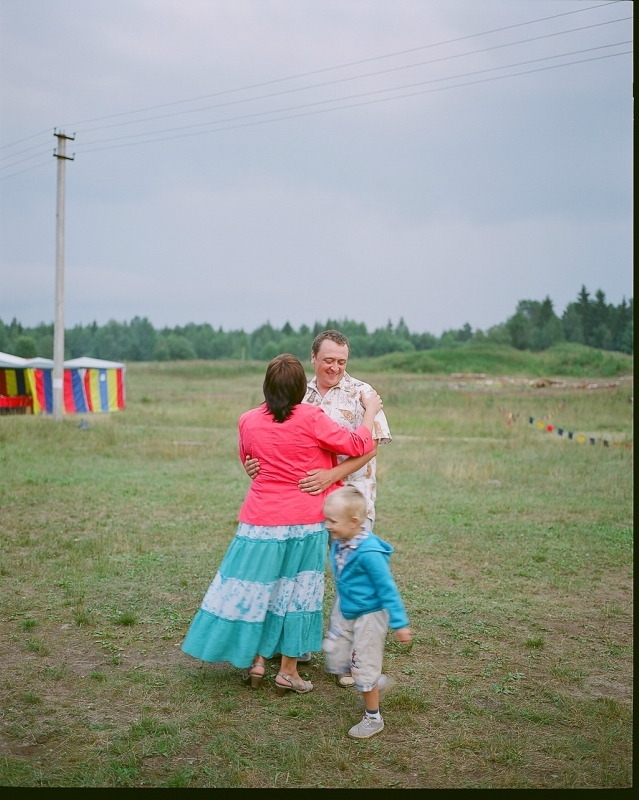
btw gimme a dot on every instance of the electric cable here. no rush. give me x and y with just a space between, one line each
343 66
26 150
363 103
351 78
28 158
324 70
81 146
28 169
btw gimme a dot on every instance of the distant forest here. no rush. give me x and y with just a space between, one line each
533 326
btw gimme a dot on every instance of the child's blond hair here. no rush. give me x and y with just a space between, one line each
350 500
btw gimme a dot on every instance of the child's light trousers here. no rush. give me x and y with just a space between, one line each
356 646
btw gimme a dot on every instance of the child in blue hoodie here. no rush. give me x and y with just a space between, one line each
367 603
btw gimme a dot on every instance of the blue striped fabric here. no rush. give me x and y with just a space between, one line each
78 392
47 380
104 390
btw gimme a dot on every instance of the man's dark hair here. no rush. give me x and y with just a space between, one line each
284 386
333 336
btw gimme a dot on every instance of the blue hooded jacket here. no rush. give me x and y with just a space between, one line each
366 584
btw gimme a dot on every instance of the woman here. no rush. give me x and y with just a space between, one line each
267 595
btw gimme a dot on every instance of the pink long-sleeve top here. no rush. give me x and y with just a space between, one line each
308 439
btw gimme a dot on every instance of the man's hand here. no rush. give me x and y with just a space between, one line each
318 481
371 401
252 466
403 635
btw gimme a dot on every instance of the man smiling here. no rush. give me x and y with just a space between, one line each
338 394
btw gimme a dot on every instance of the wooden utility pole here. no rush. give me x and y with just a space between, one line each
58 329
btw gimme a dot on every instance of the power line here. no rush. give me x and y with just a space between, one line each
341 66
28 158
347 97
26 150
28 169
363 103
304 88
26 139
354 77
321 71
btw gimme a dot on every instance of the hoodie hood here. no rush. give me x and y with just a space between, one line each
372 542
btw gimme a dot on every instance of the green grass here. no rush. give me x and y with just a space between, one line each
564 359
513 552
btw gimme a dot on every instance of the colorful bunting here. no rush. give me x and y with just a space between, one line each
546 426
580 437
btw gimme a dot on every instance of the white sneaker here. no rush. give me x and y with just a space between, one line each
366 728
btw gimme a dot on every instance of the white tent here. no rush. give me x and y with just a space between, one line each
8 361
91 385
40 363
92 363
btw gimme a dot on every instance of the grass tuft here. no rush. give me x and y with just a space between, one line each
126 618
82 618
31 699
37 646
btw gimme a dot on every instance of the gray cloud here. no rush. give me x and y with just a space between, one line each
441 208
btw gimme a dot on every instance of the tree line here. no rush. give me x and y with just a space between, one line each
534 326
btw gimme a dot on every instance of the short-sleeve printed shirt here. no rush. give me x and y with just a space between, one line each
342 403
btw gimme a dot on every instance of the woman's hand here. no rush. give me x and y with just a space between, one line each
403 635
252 466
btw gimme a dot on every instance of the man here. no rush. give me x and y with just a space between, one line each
338 394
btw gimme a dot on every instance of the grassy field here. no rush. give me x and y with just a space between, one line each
512 551
563 359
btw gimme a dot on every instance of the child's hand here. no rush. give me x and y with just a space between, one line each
403 635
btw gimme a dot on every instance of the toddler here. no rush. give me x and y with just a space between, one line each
366 604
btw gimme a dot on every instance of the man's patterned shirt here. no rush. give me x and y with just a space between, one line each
343 404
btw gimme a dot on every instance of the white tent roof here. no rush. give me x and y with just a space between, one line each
92 363
40 363
8 361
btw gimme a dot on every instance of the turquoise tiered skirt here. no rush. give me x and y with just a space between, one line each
266 597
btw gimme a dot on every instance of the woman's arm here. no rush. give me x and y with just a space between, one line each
338 439
316 485
319 480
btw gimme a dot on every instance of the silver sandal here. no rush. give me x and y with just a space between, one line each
302 687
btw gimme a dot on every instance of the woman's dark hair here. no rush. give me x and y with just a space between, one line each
284 386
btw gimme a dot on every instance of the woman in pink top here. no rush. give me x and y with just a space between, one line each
267 595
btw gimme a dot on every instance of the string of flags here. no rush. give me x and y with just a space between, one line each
546 426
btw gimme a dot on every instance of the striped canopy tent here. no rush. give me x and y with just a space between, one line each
15 396
91 385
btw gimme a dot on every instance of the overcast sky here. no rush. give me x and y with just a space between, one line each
438 202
